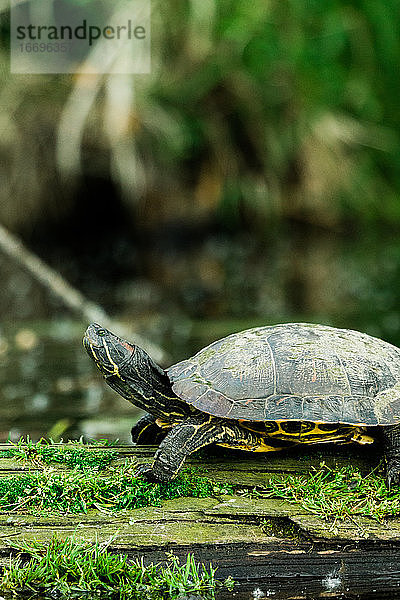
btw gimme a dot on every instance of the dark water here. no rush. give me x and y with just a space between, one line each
49 386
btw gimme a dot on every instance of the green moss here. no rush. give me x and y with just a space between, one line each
93 480
73 454
205 355
282 528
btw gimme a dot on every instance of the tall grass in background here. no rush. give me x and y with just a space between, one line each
276 108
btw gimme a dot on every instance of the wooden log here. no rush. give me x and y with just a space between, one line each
267 543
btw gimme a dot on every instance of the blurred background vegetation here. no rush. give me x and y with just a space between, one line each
252 178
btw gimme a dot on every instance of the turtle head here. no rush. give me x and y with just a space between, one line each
109 352
130 371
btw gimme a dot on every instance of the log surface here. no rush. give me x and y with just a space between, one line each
267 543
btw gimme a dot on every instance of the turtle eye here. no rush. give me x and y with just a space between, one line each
101 332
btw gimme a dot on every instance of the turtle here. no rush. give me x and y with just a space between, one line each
260 390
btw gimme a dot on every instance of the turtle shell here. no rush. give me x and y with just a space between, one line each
296 371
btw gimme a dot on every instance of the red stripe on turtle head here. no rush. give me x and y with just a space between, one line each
128 346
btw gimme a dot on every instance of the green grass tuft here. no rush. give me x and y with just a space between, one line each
72 567
336 494
77 491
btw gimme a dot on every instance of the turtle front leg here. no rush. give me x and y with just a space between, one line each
391 440
188 437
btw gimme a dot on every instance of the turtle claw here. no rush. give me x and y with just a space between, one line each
146 472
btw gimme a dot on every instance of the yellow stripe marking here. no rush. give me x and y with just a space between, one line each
115 371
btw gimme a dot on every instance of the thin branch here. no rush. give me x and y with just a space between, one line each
72 298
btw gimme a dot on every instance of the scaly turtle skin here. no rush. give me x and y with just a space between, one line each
262 389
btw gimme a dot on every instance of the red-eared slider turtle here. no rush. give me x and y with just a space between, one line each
259 390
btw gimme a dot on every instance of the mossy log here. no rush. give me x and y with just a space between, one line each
262 542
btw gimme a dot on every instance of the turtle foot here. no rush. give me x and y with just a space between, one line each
146 472
393 472
150 474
